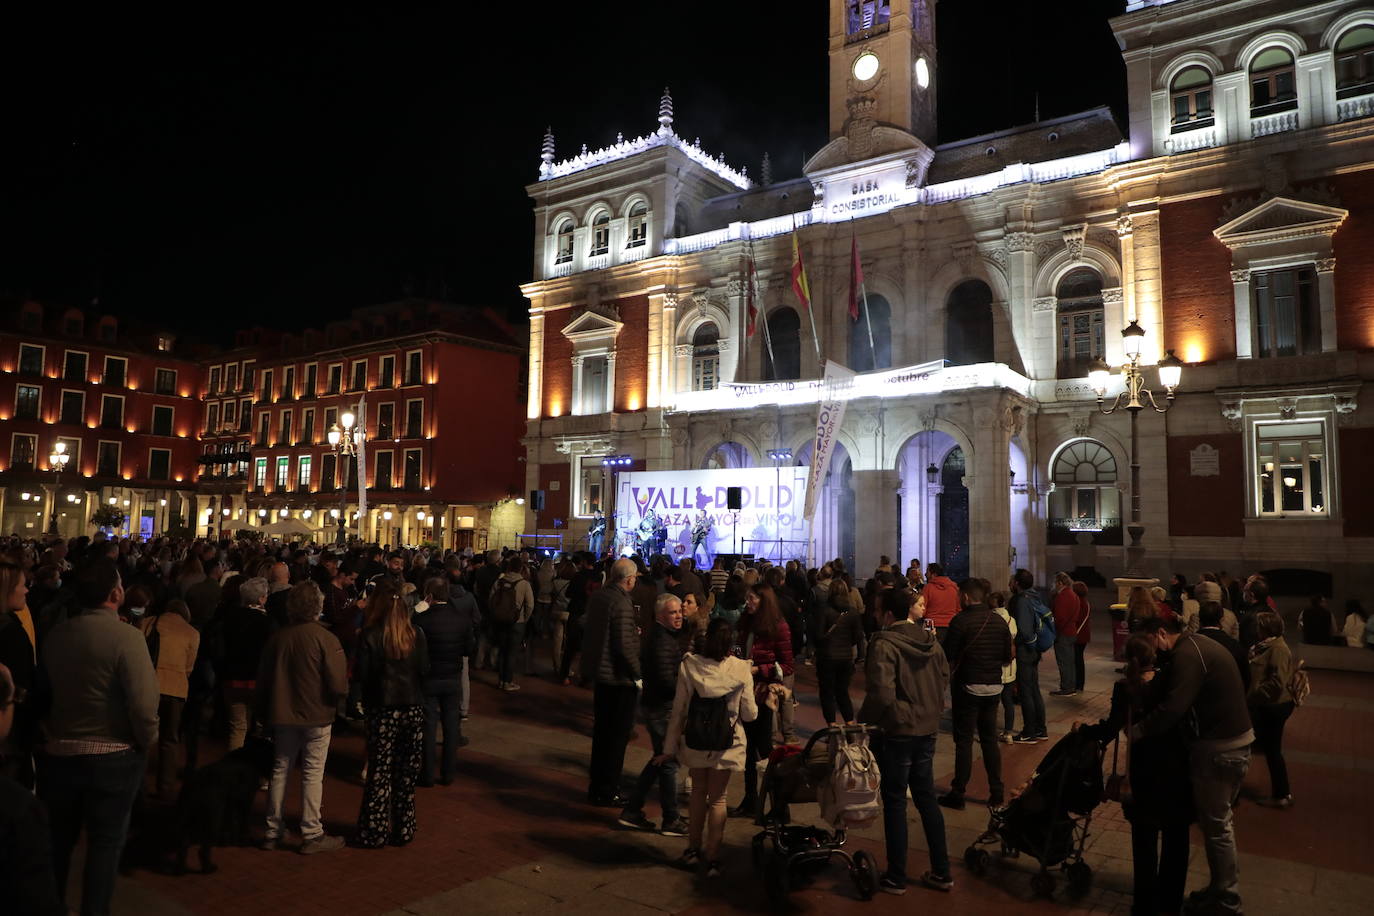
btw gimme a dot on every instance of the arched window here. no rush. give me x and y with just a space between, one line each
1190 97
564 251
1080 321
638 225
601 234
727 455
706 358
1355 62
1273 83
1085 497
784 342
968 324
863 356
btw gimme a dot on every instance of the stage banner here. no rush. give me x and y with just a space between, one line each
687 514
828 419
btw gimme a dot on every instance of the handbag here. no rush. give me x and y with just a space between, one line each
1118 786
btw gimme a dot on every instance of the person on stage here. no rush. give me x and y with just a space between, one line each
596 536
701 533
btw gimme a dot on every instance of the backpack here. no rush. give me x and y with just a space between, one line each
1043 617
502 607
708 726
1299 684
850 796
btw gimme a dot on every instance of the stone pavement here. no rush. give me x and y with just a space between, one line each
512 835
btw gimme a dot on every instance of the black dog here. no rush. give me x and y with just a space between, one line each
216 801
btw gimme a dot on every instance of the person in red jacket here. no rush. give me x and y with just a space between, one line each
1066 613
942 599
1082 634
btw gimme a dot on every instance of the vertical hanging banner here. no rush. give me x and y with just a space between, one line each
828 419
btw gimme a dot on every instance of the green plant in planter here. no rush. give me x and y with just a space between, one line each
108 517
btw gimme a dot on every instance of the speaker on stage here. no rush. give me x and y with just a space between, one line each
537 500
734 499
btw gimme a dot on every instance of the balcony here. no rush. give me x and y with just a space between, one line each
1268 125
1105 532
1354 107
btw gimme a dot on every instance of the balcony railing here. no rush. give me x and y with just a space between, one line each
1273 124
1105 532
1355 107
1187 141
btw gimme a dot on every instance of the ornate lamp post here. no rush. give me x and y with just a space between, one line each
58 462
1134 398
347 443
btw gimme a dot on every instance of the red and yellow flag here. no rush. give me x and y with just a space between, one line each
799 284
751 281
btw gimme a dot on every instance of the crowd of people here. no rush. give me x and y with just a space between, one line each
117 656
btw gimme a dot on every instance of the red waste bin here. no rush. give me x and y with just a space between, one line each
1121 631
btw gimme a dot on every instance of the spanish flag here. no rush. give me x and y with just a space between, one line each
799 284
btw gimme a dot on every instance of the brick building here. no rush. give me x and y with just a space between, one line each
238 438
1230 217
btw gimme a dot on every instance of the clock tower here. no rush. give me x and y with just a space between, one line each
882 66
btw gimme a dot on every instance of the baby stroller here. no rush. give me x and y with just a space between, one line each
1048 817
836 769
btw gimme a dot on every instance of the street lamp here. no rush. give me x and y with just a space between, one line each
58 462
346 439
1134 397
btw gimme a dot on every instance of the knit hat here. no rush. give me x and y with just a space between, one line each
1207 591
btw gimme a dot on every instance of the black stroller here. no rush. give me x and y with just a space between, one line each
1048 818
787 854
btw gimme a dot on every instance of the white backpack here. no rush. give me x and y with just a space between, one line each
850 797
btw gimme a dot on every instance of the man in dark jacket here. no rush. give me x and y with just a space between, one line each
1026 608
661 655
610 661
1209 618
246 631
584 582
1204 679
448 634
977 644
906 678
25 846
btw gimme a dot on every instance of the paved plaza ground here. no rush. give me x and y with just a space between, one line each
512 834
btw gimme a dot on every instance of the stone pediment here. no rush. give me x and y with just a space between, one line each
592 326
884 141
1280 219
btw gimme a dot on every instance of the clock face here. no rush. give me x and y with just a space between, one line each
865 66
922 73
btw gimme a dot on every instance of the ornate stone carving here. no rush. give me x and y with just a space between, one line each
1105 239
701 298
1240 276
734 289
1081 423
670 299
1073 240
1045 247
927 419
1288 409
964 253
1020 241
1013 419
817 191
1044 303
1124 225
1112 294
914 173
1326 265
1233 413
868 424
577 361
997 256
684 350
1346 406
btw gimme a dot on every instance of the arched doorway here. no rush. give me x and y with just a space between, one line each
934 529
833 525
954 516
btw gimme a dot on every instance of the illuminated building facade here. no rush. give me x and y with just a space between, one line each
1229 221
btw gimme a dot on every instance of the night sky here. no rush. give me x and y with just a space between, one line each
280 170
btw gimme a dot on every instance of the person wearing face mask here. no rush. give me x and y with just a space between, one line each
135 607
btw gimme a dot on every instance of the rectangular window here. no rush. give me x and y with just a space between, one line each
335 378
250 374
415 419
412 469
229 416
387 373
30 359
288 383
159 463
1291 469
107 458
595 396
116 370
307 427
331 418
358 380
386 417
245 415
413 368
329 471
74 366
260 473
283 472
231 377
214 381
73 408
111 411
311 380
165 381
163 418
303 473
284 430
212 420
23 448
383 472
705 372
351 472
590 483
264 426
267 380
1080 341
1287 314
73 451
26 402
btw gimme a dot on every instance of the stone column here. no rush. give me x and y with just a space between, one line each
875 511
1021 284
655 354
576 406
1240 285
49 508
438 516
682 367
989 492
1044 340
1326 296
534 399
1139 233
610 381
3 528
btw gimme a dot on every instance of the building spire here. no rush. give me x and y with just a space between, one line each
766 171
546 152
665 113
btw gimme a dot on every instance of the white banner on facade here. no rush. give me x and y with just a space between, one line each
687 513
828 419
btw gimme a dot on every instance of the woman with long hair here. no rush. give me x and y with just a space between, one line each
390 668
710 672
768 649
178 644
1158 801
1082 634
1271 702
1139 607
695 620
837 629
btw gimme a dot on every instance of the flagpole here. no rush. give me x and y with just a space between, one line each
863 293
856 271
810 305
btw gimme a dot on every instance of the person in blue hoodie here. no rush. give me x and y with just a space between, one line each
1029 611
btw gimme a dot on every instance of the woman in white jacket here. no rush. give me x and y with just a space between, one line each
713 673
